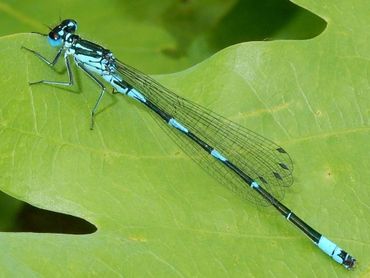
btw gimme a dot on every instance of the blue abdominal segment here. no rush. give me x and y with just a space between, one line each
217 155
136 95
172 122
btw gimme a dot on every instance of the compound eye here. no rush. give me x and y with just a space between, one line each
54 39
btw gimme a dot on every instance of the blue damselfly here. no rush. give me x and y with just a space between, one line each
250 164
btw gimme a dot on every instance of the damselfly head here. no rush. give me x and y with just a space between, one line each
58 34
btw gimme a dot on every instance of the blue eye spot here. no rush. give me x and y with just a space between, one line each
55 43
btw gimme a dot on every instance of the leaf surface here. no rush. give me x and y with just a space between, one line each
157 213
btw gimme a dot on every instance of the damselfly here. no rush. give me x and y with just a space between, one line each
239 157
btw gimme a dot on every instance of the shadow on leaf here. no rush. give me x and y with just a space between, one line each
18 216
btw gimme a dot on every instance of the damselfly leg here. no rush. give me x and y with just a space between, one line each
70 76
52 63
93 111
42 58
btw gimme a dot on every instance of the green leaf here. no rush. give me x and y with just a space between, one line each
157 213
170 35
